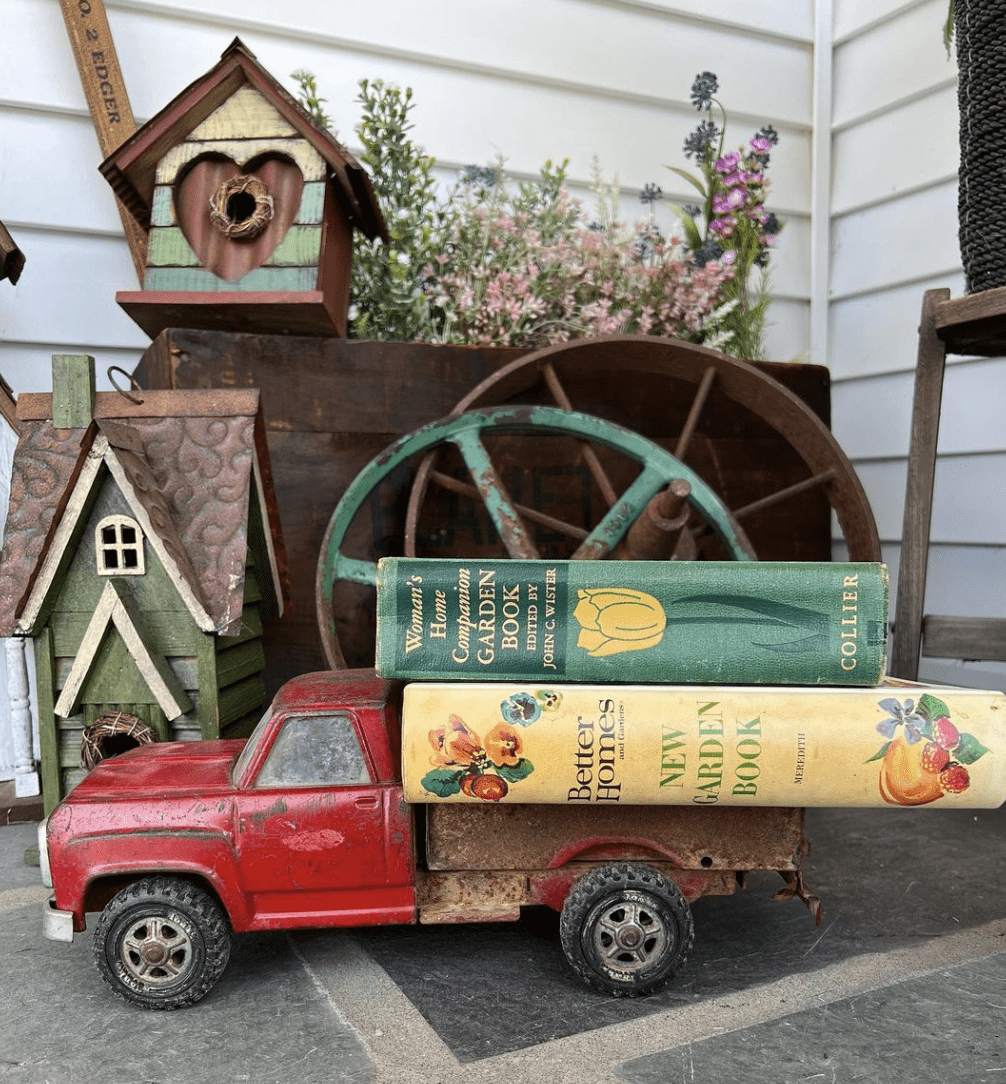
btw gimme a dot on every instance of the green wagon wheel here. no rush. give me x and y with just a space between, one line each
659 468
703 382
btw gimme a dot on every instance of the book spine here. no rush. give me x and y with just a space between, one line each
580 745
804 623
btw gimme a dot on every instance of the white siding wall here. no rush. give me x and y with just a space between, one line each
894 235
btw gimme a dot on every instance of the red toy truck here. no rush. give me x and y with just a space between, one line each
304 825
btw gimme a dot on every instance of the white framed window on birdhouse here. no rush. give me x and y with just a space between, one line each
119 547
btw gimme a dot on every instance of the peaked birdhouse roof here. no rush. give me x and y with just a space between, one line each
131 168
194 471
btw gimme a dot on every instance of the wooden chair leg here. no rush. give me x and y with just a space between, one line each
907 638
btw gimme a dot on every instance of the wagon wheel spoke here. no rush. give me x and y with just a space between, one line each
501 509
465 489
701 395
589 455
703 533
784 494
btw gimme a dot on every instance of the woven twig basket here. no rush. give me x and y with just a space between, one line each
113 724
980 32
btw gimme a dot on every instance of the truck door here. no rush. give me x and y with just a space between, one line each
320 843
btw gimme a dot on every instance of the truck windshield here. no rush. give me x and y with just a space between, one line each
245 757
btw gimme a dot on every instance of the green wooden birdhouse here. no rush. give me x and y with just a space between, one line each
141 552
250 208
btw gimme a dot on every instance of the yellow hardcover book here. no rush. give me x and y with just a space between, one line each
895 744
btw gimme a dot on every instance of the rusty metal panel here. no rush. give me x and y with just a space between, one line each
497 896
516 837
463 897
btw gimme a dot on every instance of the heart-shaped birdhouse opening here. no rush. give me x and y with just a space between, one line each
232 216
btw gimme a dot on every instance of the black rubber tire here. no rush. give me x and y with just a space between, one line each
626 929
181 929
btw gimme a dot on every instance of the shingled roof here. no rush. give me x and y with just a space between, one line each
131 168
187 462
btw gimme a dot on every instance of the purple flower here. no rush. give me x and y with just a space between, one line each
761 145
901 715
729 162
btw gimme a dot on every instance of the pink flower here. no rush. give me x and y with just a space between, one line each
729 162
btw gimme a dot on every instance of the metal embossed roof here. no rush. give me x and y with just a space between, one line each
185 462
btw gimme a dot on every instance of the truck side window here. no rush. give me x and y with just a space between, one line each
315 751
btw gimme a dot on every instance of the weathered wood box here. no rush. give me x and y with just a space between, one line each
331 405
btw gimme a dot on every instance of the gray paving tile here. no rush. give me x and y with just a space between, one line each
948 1025
265 1023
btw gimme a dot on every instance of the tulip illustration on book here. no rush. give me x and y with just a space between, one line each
926 756
617 619
486 768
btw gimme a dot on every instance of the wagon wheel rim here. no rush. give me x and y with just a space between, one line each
827 465
464 431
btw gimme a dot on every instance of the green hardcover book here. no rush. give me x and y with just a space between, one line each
717 622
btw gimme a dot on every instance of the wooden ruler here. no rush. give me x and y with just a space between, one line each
105 91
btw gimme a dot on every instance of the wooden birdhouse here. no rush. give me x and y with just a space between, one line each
141 552
250 207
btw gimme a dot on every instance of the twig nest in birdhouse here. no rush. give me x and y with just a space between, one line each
241 208
113 733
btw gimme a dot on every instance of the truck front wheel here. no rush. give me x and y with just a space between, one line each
626 929
162 943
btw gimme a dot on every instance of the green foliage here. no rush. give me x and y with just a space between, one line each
517 263
309 98
387 280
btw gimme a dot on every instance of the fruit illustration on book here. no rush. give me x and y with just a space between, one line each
613 620
926 756
464 763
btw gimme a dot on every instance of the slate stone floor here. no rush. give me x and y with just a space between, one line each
889 879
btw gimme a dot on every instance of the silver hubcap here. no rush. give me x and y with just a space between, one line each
629 936
156 950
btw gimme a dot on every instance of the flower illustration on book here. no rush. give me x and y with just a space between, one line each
617 619
548 698
926 756
520 708
465 764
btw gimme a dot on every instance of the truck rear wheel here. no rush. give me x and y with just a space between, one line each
162 943
626 929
